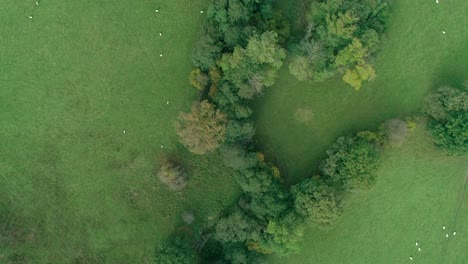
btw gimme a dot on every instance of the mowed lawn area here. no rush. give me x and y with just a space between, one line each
74 188
417 192
297 121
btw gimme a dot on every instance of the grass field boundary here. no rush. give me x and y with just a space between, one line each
457 210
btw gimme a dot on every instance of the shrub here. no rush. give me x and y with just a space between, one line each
188 217
237 227
173 175
396 131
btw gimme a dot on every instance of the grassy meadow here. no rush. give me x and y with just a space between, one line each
418 187
297 121
73 187
417 192
87 107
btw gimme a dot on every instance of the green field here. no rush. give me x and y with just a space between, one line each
415 58
417 192
418 187
73 186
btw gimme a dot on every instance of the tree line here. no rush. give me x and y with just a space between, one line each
237 58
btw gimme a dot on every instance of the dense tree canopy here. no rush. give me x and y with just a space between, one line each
237 227
175 251
254 67
341 34
447 109
316 201
282 235
352 162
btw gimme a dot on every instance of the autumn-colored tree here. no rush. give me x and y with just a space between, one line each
203 129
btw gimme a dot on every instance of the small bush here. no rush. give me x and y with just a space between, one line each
395 131
188 217
173 175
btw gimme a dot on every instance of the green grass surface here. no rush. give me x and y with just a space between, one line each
72 184
415 58
417 192
74 187
418 187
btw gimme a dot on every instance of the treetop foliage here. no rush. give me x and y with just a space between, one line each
238 56
253 68
175 251
203 129
341 34
352 162
447 109
316 201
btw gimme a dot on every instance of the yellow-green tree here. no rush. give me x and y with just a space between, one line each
198 79
356 76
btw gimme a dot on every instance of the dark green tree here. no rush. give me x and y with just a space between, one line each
254 67
282 235
238 254
316 201
352 162
237 227
175 251
447 109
